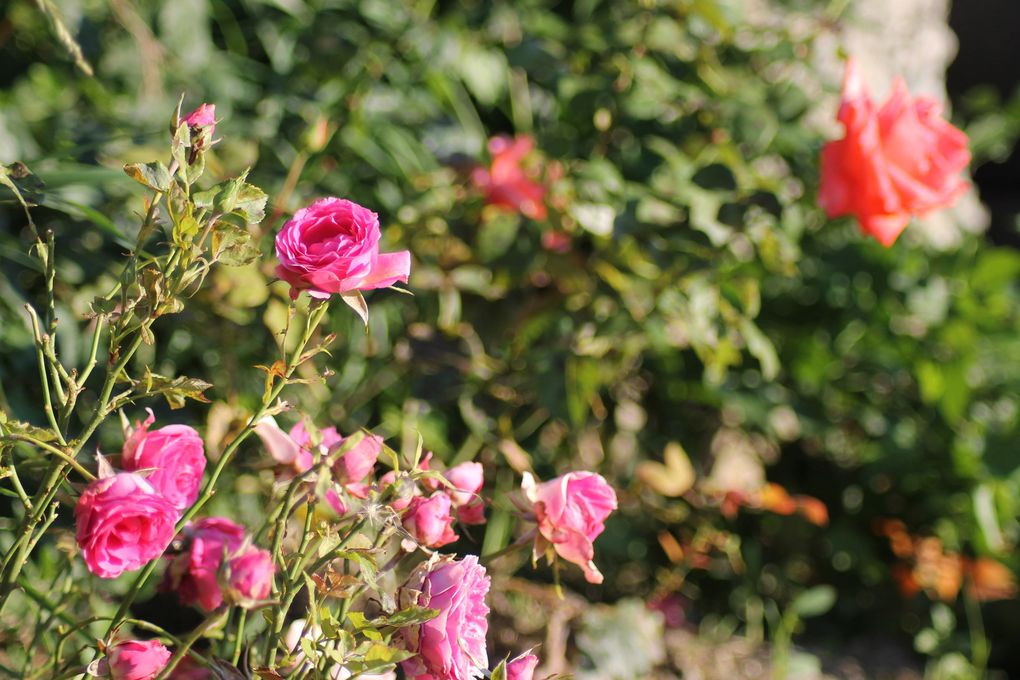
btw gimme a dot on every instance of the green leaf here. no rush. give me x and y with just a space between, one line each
153 175
410 616
234 246
174 390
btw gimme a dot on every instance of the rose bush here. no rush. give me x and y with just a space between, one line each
645 289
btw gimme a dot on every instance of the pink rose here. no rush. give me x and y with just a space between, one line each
450 646
897 160
250 576
194 574
467 479
332 247
174 454
506 183
570 511
357 462
122 523
136 659
203 116
522 667
430 520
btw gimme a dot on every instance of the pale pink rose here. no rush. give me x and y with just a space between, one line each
250 577
506 183
332 247
194 574
467 479
136 660
294 449
895 161
122 524
571 511
522 667
450 646
430 520
171 458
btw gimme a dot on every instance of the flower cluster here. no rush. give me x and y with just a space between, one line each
127 519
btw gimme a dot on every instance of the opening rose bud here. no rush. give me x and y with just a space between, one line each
522 667
430 520
136 660
332 247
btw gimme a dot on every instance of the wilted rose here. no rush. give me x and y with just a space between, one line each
571 511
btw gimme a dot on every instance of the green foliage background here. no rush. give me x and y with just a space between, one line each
703 289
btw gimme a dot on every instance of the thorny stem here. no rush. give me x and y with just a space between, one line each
311 323
213 620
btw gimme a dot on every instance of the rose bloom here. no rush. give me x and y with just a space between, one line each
570 511
467 479
175 455
122 523
450 646
895 161
522 667
136 660
332 247
250 577
430 520
506 183
194 574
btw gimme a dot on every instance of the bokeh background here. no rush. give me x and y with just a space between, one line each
816 440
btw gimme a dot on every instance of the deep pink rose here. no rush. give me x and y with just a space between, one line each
122 523
175 455
430 520
522 667
332 247
895 161
506 183
250 576
194 574
136 659
450 646
203 116
570 511
467 478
